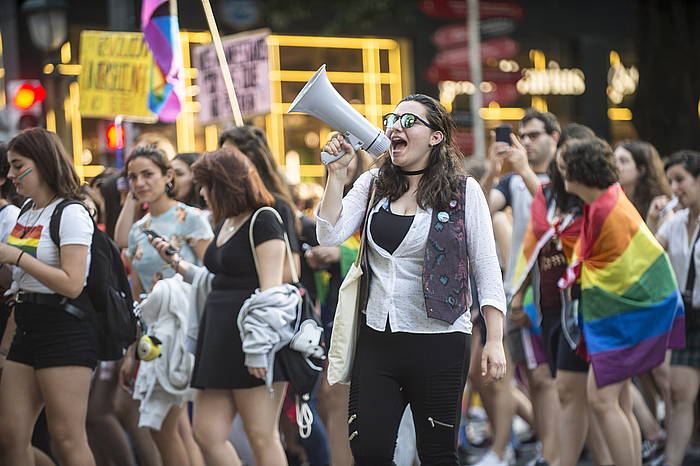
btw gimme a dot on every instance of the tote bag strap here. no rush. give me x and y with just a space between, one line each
292 266
363 233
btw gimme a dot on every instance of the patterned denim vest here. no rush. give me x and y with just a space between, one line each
446 265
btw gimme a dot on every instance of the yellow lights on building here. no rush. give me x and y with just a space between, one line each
449 90
185 123
550 79
65 53
380 74
76 127
293 167
2 76
211 138
539 104
51 120
621 81
496 112
312 140
69 70
508 66
620 114
198 37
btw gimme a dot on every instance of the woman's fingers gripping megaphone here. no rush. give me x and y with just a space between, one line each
335 146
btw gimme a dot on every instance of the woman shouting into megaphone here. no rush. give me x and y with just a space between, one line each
427 232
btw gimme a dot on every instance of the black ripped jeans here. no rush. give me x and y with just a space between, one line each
391 370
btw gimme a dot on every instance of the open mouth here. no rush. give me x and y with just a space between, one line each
397 144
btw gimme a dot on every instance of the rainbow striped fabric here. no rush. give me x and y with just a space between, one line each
25 239
542 227
630 303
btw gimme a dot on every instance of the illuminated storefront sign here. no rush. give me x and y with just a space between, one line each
621 81
550 79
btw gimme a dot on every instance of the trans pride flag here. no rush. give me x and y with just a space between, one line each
630 303
162 34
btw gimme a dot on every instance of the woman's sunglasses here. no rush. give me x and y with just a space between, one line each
407 120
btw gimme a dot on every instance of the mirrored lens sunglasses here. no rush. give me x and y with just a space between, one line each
406 120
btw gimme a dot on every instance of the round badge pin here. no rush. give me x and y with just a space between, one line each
453 204
443 217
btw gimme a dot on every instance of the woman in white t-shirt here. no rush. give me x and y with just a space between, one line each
8 218
54 352
679 236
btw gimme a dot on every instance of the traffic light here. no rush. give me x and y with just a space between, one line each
115 136
25 109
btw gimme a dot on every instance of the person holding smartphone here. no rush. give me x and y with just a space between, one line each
151 181
529 155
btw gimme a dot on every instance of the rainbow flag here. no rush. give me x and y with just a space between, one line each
541 228
162 34
631 307
26 239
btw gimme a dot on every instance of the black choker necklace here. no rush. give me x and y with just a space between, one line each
415 172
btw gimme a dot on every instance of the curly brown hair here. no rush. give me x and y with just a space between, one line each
590 162
440 184
651 181
232 183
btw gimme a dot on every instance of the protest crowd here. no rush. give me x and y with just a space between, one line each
567 332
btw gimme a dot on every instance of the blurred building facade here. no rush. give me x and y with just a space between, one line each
627 68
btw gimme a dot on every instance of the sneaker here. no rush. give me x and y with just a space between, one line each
658 461
650 450
537 461
510 456
491 459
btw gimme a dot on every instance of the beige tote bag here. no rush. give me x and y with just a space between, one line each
347 314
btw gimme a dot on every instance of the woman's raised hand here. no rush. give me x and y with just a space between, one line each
334 146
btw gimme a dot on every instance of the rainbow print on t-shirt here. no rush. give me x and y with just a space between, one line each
26 240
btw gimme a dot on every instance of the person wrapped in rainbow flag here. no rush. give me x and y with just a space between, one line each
630 307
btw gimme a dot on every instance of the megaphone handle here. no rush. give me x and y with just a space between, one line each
327 158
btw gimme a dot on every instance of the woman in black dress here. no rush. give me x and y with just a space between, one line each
234 191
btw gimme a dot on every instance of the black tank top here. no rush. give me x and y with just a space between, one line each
389 229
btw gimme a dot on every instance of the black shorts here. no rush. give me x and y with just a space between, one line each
559 353
47 336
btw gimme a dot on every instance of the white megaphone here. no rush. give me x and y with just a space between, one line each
320 99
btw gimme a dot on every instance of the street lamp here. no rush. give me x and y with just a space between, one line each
47 23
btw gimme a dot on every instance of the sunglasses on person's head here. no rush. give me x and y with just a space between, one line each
407 120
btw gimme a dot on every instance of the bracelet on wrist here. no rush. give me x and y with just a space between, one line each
21 253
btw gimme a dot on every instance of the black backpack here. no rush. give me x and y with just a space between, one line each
107 288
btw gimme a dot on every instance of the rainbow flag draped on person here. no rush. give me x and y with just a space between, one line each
542 227
162 34
631 308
